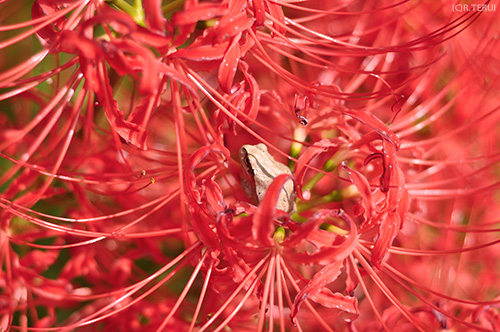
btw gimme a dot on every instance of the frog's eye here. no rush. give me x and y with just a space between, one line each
248 165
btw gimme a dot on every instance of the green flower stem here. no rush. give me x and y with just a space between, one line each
335 196
299 136
135 11
172 6
336 230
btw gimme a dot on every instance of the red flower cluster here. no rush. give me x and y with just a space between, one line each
122 205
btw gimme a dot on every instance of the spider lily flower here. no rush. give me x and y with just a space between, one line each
120 192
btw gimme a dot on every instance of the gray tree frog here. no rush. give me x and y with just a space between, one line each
259 171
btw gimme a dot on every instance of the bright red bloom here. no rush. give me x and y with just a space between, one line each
120 188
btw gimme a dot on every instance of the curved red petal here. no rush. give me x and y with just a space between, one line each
135 58
201 52
316 291
389 228
153 16
160 43
363 186
263 219
202 225
194 160
227 68
200 12
259 9
324 254
374 123
229 26
253 103
305 159
276 11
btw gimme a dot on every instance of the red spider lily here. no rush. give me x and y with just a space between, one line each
120 185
